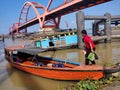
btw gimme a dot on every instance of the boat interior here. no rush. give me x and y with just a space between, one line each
21 57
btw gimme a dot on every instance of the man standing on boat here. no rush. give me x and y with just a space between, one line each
89 47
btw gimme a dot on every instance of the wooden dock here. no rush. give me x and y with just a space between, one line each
115 36
105 20
98 38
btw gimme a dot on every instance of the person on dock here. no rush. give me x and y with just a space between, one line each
89 46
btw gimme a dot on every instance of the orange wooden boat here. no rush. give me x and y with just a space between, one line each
27 59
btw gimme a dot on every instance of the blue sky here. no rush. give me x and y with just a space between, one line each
10 11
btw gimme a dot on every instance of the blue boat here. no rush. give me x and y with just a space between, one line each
61 39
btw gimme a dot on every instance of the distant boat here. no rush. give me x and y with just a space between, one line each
60 39
28 60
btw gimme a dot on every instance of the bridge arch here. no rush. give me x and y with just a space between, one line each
25 9
51 17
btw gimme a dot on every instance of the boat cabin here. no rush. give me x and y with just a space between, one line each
57 40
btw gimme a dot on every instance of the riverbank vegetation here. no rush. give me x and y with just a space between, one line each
92 84
108 81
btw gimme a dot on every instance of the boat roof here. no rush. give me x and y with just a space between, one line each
32 51
37 50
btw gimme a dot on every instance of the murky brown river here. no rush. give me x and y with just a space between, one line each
14 79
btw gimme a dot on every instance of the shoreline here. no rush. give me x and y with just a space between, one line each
115 85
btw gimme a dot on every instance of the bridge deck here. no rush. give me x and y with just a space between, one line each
72 6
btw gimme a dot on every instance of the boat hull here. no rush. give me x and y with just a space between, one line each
64 73
69 71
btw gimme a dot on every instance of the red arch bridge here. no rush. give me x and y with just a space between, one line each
49 18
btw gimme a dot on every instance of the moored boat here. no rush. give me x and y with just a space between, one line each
28 60
60 39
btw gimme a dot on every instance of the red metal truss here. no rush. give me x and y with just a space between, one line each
50 18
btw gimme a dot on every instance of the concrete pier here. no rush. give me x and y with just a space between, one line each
106 20
80 26
108 27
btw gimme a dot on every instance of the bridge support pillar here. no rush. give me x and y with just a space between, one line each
95 28
80 26
108 27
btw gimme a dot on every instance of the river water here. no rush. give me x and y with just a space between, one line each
14 79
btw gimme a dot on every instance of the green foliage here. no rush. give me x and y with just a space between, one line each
106 81
87 85
108 64
90 84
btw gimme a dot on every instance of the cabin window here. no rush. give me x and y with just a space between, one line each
51 43
62 34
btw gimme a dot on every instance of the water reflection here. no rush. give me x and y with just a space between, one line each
14 79
3 72
109 52
70 54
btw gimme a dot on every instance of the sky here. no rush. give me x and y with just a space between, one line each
10 11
